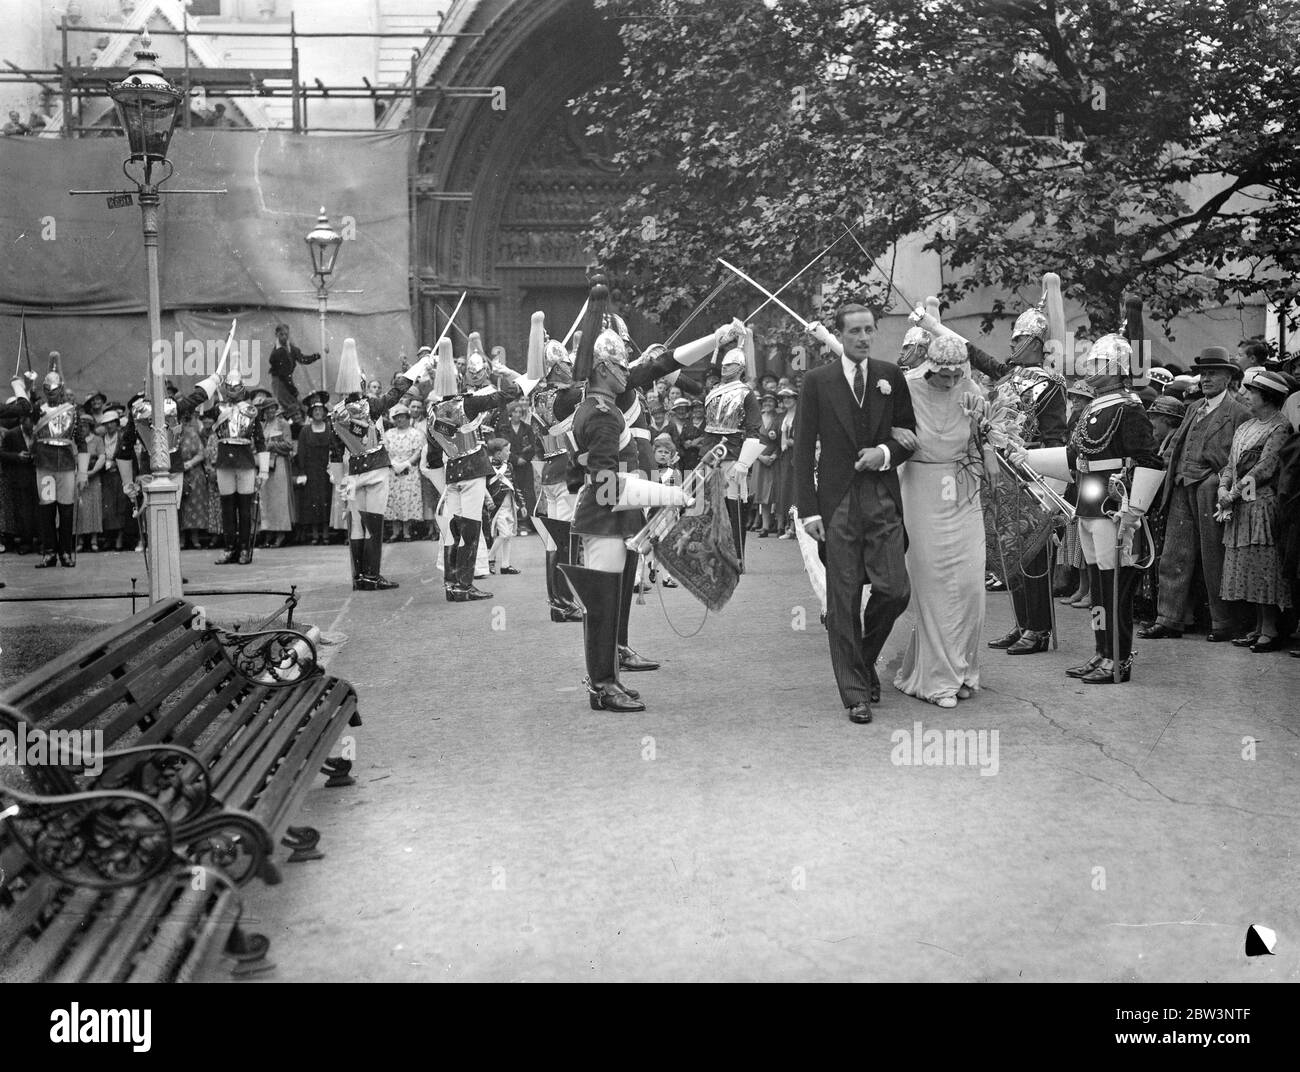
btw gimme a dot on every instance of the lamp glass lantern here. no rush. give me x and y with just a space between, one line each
147 106
323 243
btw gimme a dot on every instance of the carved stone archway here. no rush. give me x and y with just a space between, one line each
534 175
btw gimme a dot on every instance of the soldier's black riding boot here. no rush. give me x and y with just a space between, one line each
736 511
465 555
45 515
598 595
1104 672
563 609
230 529
373 553
360 582
627 658
244 509
66 535
1098 635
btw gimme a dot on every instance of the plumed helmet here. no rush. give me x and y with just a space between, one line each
445 383
1111 355
917 336
733 357
610 348
556 354
1032 322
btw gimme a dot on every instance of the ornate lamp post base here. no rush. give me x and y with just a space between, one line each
162 500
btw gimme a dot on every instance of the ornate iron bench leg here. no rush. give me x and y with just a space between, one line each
339 772
302 840
248 951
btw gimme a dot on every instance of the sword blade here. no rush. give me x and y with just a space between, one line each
798 274
574 326
763 290
708 300
451 319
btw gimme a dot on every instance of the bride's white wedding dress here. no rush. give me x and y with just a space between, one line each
945 554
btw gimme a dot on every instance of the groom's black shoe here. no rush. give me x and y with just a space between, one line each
875 686
1006 641
860 713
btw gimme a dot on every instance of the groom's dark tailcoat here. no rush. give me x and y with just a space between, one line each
861 512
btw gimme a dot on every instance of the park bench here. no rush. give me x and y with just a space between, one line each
210 740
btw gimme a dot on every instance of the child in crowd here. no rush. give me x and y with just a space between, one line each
507 507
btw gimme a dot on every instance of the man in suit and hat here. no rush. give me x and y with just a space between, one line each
286 357
1193 539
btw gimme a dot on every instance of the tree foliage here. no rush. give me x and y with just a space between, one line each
1133 146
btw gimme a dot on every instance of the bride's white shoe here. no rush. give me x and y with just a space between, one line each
946 701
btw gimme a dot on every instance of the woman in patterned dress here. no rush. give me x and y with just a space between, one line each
405 499
90 500
1252 566
194 494
769 434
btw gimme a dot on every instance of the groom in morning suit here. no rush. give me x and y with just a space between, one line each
855 504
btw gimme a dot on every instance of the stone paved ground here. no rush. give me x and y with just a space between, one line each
742 828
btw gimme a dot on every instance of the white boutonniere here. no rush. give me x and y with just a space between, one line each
884 387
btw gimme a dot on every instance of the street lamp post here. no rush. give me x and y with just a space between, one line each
323 244
147 106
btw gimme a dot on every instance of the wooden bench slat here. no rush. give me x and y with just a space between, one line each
144 687
46 951
184 727
178 917
114 637
281 804
223 917
245 769
243 739
97 663
190 704
101 927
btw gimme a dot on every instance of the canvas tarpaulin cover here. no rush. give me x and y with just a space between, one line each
76 267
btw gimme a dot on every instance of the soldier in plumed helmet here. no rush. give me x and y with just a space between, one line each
552 397
456 428
62 468
1113 459
366 469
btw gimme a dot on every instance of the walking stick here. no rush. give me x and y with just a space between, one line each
1114 603
1054 544
257 522
76 514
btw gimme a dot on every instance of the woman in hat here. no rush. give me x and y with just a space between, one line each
405 499
311 469
769 433
90 499
1252 566
276 495
783 492
195 507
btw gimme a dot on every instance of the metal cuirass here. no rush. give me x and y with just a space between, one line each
239 421
724 409
58 429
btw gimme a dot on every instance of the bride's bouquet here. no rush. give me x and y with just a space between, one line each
997 423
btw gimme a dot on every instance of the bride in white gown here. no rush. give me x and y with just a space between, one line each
945 524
